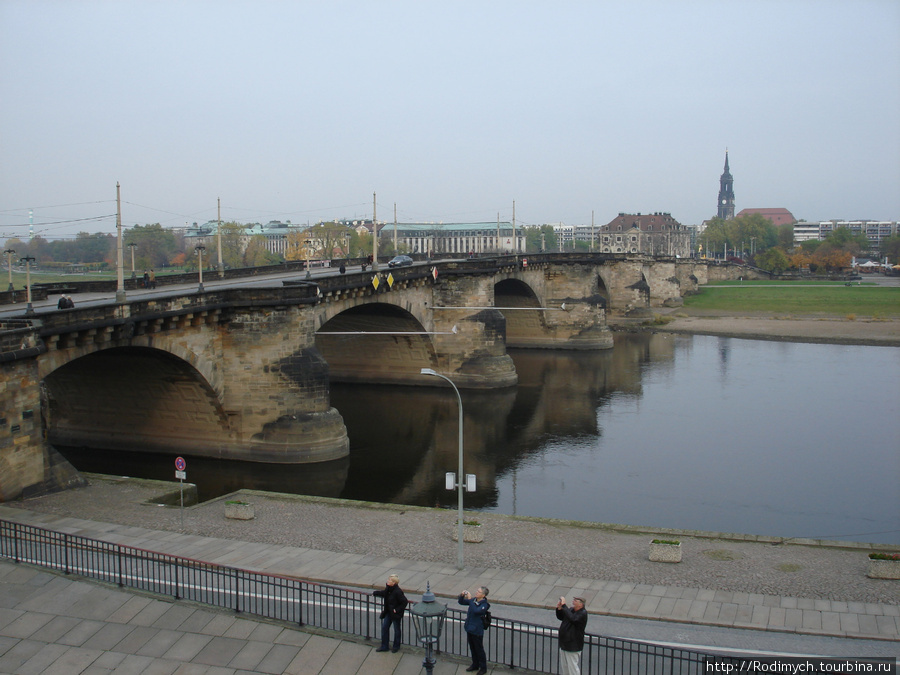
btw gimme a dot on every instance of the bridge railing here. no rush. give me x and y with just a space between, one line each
517 644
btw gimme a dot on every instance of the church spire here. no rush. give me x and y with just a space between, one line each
725 206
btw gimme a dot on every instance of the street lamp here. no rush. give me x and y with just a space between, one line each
10 252
132 246
428 620
29 309
199 250
460 476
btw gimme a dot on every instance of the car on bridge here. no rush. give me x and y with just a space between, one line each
400 261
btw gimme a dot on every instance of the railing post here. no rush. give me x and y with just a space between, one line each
119 566
16 542
300 618
512 650
237 593
66 550
177 567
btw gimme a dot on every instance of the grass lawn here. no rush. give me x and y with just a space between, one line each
800 298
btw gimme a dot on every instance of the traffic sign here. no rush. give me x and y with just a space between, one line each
180 464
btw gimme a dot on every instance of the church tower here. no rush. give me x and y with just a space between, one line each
726 194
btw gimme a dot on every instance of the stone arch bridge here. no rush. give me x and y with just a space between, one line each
243 373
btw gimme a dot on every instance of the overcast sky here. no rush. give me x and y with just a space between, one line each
452 110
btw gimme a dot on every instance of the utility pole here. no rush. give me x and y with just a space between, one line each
219 235
498 232
374 236
592 230
515 241
396 250
120 255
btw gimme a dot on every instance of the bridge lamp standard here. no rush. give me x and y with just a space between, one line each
10 252
132 246
461 479
29 308
199 249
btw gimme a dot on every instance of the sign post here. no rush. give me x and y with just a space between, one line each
181 474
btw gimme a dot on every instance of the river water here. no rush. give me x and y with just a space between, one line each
689 432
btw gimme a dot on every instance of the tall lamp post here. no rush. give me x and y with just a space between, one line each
199 250
460 476
29 308
428 620
132 246
10 252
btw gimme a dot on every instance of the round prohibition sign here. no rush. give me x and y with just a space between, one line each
180 464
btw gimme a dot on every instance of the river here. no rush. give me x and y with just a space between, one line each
677 431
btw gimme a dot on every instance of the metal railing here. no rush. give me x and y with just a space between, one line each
516 644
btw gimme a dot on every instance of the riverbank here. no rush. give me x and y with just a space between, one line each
765 326
533 546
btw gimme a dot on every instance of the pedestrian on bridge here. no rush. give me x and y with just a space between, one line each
571 634
395 603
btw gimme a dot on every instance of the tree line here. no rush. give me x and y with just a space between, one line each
756 240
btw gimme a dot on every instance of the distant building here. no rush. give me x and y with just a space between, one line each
275 233
775 216
725 203
652 233
460 238
875 231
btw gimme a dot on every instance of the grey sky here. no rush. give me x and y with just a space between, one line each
301 110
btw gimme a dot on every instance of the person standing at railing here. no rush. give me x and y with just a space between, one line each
571 634
478 607
392 614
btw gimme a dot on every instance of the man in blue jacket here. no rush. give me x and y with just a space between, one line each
475 627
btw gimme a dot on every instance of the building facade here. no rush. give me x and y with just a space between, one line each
462 238
651 233
875 231
275 233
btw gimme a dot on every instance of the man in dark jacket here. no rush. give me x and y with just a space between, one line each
571 634
474 626
392 614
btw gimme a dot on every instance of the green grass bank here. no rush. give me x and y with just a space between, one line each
824 298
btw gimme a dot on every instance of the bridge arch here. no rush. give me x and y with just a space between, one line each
522 326
376 342
134 393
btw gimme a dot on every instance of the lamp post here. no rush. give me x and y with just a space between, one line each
428 620
199 250
10 252
460 476
29 308
132 246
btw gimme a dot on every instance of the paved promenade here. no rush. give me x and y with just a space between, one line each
56 625
37 610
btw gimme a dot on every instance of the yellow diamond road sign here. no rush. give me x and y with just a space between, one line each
390 280
375 282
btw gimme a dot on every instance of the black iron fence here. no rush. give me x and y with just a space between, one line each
516 644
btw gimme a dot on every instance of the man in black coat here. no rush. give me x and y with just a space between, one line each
571 634
392 614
